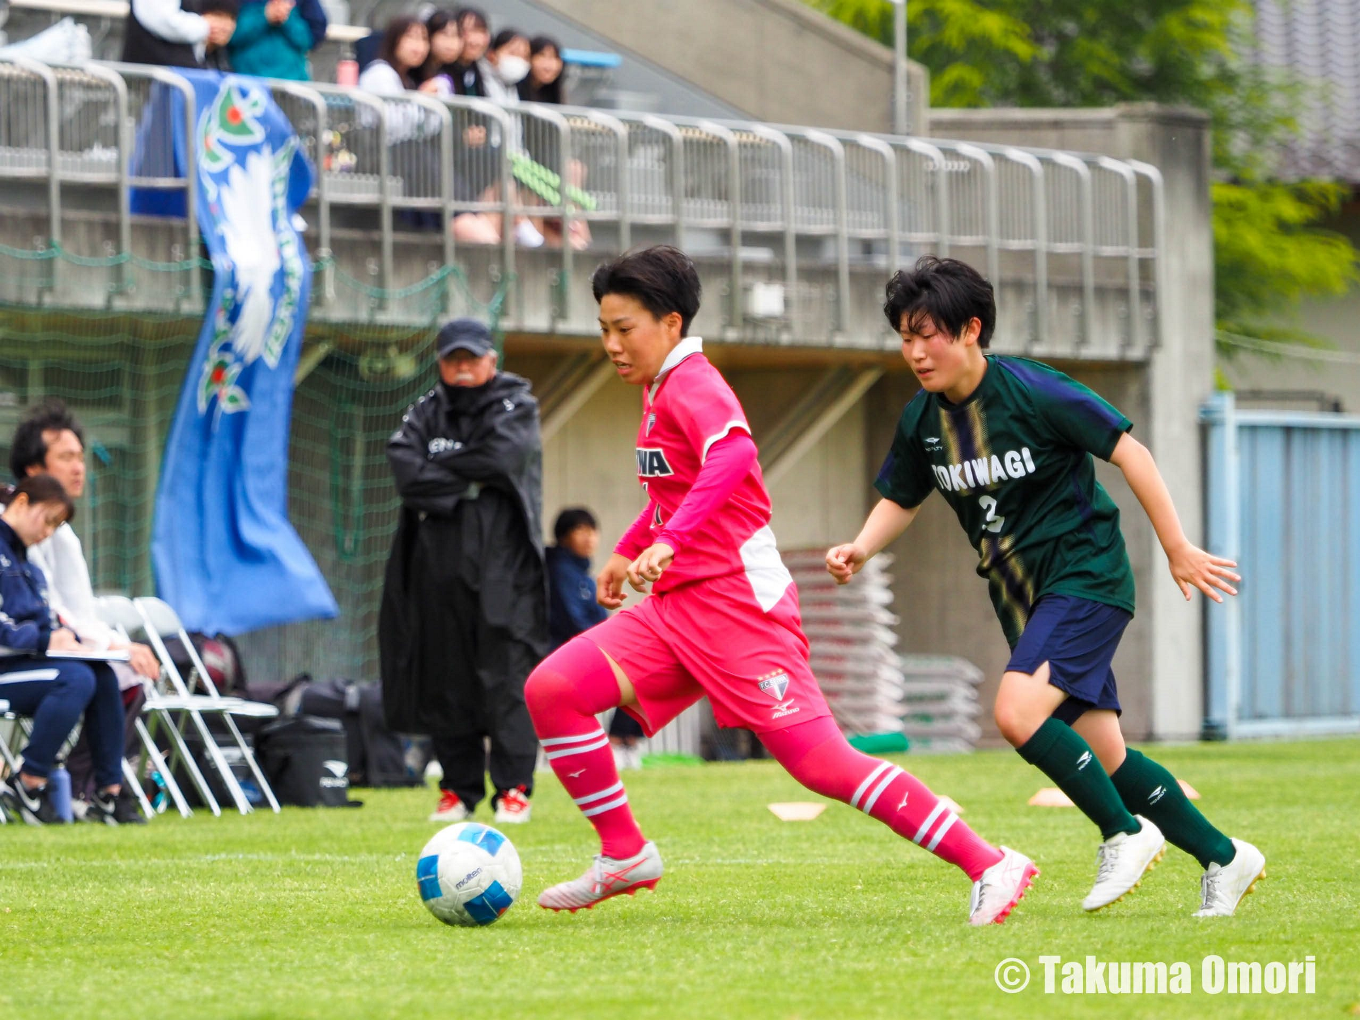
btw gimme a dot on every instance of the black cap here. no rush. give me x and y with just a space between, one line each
465 334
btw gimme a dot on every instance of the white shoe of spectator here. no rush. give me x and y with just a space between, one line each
512 807
527 235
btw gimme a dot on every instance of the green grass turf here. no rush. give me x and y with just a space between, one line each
315 913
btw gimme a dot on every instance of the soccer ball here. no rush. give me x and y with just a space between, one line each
468 874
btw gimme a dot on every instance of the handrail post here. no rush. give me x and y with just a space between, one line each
1154 177
1039 219
52 113
786 212
1130 180
1088 257
736 305
837 150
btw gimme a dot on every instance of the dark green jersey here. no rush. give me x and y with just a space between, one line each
1014 461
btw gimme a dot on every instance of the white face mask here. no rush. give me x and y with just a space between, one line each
512 69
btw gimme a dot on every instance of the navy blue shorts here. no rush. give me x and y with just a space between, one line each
1077 638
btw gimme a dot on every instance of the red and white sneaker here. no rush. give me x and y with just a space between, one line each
450 809
512 807
1001 887
604 878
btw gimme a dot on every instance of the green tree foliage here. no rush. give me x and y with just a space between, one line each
1268 250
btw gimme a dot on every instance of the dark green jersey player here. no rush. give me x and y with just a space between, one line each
1013 461
1008 443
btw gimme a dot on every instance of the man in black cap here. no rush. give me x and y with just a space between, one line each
465 604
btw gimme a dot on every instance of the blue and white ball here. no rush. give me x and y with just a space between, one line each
468 874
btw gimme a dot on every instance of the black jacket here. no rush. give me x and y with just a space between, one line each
462 459
143 46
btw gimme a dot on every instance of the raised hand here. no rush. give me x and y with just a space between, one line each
1191 566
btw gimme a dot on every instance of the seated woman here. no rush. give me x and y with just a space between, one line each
53 692
404 52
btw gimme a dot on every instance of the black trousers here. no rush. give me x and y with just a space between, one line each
486 670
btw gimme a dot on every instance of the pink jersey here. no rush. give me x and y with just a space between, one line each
688 409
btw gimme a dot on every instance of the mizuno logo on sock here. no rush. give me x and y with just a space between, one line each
1084 760
573 775
1157 795
904 800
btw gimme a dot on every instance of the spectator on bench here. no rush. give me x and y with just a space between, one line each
49 441
163 32
506 65
446 49
476 34
54 692
272 40
405 50
544 82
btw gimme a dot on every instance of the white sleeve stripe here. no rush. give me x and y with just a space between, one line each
726 429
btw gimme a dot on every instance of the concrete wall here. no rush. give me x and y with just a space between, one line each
778 60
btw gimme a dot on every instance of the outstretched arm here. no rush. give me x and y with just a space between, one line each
886 522
1190 565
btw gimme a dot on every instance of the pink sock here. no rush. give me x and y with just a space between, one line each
564 694
819 757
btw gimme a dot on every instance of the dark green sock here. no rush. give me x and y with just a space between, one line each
1150 790
1060 753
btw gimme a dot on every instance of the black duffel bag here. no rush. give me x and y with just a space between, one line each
303 757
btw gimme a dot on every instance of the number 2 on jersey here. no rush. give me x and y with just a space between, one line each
994 523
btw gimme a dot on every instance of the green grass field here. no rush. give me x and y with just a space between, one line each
315 913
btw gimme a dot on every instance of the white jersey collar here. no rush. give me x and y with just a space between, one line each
681 351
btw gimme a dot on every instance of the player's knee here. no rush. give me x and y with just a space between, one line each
1013 720
545 687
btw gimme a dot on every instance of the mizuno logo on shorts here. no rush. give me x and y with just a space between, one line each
652 463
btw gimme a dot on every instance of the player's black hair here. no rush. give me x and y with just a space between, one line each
29 446
946 291
44 489
570 519
662 278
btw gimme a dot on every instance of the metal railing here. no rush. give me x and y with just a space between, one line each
804 211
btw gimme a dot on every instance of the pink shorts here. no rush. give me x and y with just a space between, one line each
711 637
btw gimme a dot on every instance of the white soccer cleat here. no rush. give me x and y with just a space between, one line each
512 807
1121 862
604 878
1001 887
1223 887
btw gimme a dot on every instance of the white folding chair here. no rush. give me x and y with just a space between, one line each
161 621
119 613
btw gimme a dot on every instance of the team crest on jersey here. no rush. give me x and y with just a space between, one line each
774 684
651 420
652 463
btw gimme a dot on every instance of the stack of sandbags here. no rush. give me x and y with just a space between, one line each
940 702
850 629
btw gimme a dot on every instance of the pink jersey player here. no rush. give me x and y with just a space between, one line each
722 619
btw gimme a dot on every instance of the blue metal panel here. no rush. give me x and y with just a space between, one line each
1284 500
